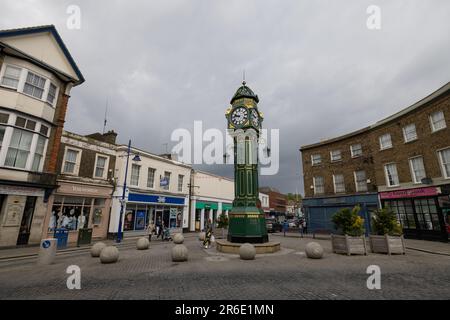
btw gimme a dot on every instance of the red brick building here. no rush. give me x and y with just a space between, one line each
404 160
277 202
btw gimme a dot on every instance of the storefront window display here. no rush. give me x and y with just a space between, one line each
138 216
73 213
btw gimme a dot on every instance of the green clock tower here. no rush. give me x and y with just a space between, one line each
246 219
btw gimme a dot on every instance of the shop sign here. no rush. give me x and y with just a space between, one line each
410 193
22 191
83 190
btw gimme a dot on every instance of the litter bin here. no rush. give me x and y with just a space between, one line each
61 235
84 236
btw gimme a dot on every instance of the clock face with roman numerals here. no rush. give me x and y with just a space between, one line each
239 116
255 118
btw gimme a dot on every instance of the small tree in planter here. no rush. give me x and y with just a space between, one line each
351 227
222 222
387 237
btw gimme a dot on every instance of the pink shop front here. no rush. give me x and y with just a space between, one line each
74 206
424 213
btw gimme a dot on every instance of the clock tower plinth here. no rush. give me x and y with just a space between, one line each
246 220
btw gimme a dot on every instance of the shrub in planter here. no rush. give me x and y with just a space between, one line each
351 226
387 237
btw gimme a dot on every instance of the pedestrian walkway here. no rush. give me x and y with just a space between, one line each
434 247
30 251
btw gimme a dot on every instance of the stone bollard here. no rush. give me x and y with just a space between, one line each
314 250
109 254
97 248
47 251
201 236
247 251
179 253
142 243
178 238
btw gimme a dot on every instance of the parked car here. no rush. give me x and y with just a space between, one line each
273 225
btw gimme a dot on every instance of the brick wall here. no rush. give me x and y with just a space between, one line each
373 159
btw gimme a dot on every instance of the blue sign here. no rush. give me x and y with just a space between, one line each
164 182
155 199
46 244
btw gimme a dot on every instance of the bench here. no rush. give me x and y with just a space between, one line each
321 231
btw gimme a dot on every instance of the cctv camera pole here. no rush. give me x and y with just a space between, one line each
122 201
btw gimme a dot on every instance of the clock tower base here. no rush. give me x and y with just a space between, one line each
247 224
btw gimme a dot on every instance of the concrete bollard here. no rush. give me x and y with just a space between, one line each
247 251
47 251
179 253
201 236
178 238
314 250
109 254
97 248
142 244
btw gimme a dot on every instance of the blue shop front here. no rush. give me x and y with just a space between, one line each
319 211
141 209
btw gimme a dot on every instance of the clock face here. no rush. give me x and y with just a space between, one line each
239 116
255 117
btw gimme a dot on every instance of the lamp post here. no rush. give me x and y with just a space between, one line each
122 200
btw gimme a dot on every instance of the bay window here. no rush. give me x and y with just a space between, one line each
19 149
34 85
11 77
39 153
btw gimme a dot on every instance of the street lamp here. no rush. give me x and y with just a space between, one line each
122 200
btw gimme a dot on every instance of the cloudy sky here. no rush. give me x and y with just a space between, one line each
317 68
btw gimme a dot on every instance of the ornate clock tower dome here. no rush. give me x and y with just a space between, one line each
247 220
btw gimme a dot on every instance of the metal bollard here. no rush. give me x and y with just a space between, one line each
47 251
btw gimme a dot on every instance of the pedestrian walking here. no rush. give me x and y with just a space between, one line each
150 230
300 228
285 227
304 227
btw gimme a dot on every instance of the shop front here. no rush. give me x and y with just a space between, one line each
141 209
77 206
22 213
422 212
208 210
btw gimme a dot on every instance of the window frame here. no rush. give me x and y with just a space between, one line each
35 74
105 169
381 144
413 174
3 72
405 133
433 129
138 176
356 181
441 162
340 155
182 183
154 175
387 176
312 159
315 185
352 152
334 183
77 162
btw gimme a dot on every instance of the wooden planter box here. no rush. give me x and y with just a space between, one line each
387 244
348 245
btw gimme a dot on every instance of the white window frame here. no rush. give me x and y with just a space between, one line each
154 177
413 173
77 163
334 183
433 129
105 169
315 186
441 163
182 183
3 71
44 89
387 176
405 138
356 181
47 91
312 159
131 174
170 178
353 153
41 164
381 144
331 155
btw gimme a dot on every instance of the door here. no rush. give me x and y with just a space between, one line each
27 218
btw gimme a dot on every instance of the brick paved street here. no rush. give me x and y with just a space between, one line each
208 275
